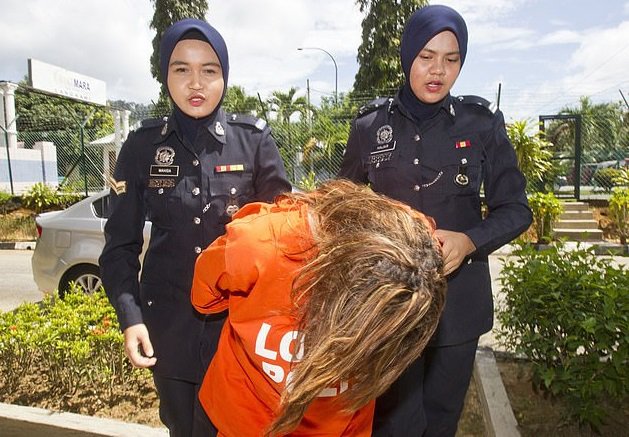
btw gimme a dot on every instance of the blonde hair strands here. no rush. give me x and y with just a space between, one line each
369 301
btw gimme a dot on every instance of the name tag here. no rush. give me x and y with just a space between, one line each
381 148
165 170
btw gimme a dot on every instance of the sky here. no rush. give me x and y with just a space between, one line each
545 54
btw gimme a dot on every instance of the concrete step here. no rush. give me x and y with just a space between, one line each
576 215
576 224
579 234
575 206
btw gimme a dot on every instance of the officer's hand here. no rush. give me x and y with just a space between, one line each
455 246
138 347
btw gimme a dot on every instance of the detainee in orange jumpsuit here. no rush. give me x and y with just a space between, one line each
331 294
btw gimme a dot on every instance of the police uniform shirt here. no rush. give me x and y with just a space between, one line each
188 192
439 167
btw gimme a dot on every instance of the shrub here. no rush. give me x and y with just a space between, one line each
619 212
546 209
40 197
5 198
622 177
605 177
76 342
567 312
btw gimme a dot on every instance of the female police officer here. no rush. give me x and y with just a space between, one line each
434 152
187 174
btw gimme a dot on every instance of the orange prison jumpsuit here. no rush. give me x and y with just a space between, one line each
250 270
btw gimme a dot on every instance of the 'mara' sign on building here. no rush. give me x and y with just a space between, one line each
57 80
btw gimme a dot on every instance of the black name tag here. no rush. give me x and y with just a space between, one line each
165 170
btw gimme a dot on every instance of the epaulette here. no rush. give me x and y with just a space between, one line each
477 100
247 119
153 122
374 105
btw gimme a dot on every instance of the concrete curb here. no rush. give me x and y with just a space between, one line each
497 413
19 245
16 420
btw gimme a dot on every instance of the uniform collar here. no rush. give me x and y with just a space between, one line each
217 127
448 105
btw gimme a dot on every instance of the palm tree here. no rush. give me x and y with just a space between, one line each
236 100
286 104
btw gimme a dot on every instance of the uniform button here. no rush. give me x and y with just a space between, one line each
196 220
416 161
149 303
160 191
416 188
195 162
197 249
232 190
417 137
195 191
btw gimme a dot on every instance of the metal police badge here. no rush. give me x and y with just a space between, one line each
384 134
165 155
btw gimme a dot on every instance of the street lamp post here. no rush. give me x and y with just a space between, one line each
336 71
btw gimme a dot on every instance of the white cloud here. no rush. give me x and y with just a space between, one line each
561 37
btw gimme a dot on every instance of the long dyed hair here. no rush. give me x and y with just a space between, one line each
367 303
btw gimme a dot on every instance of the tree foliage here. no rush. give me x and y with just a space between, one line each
533 152
41 112
604 131
379 51
166 13
237 100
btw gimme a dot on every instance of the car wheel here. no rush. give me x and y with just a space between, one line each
85 276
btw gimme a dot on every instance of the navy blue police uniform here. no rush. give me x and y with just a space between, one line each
188 192
443 167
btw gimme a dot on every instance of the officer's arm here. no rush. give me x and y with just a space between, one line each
352 167
119 260
508 211
231 264
269 172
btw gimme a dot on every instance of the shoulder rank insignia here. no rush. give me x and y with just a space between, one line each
477 100
374 105
247 119
119 187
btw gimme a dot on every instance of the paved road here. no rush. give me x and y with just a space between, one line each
16 279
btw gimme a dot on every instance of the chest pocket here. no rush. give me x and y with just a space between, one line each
457 168
161 203
383 165
230 191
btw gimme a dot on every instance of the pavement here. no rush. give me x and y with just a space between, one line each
18 421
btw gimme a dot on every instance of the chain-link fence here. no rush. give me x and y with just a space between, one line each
590 150
312 142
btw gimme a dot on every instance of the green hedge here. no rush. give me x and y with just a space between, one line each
72 342
568 312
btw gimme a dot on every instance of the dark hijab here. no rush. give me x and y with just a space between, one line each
192 28
420 28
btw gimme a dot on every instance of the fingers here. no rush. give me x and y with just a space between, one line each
138 346
455 247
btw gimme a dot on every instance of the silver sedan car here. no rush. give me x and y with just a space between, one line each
69 244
